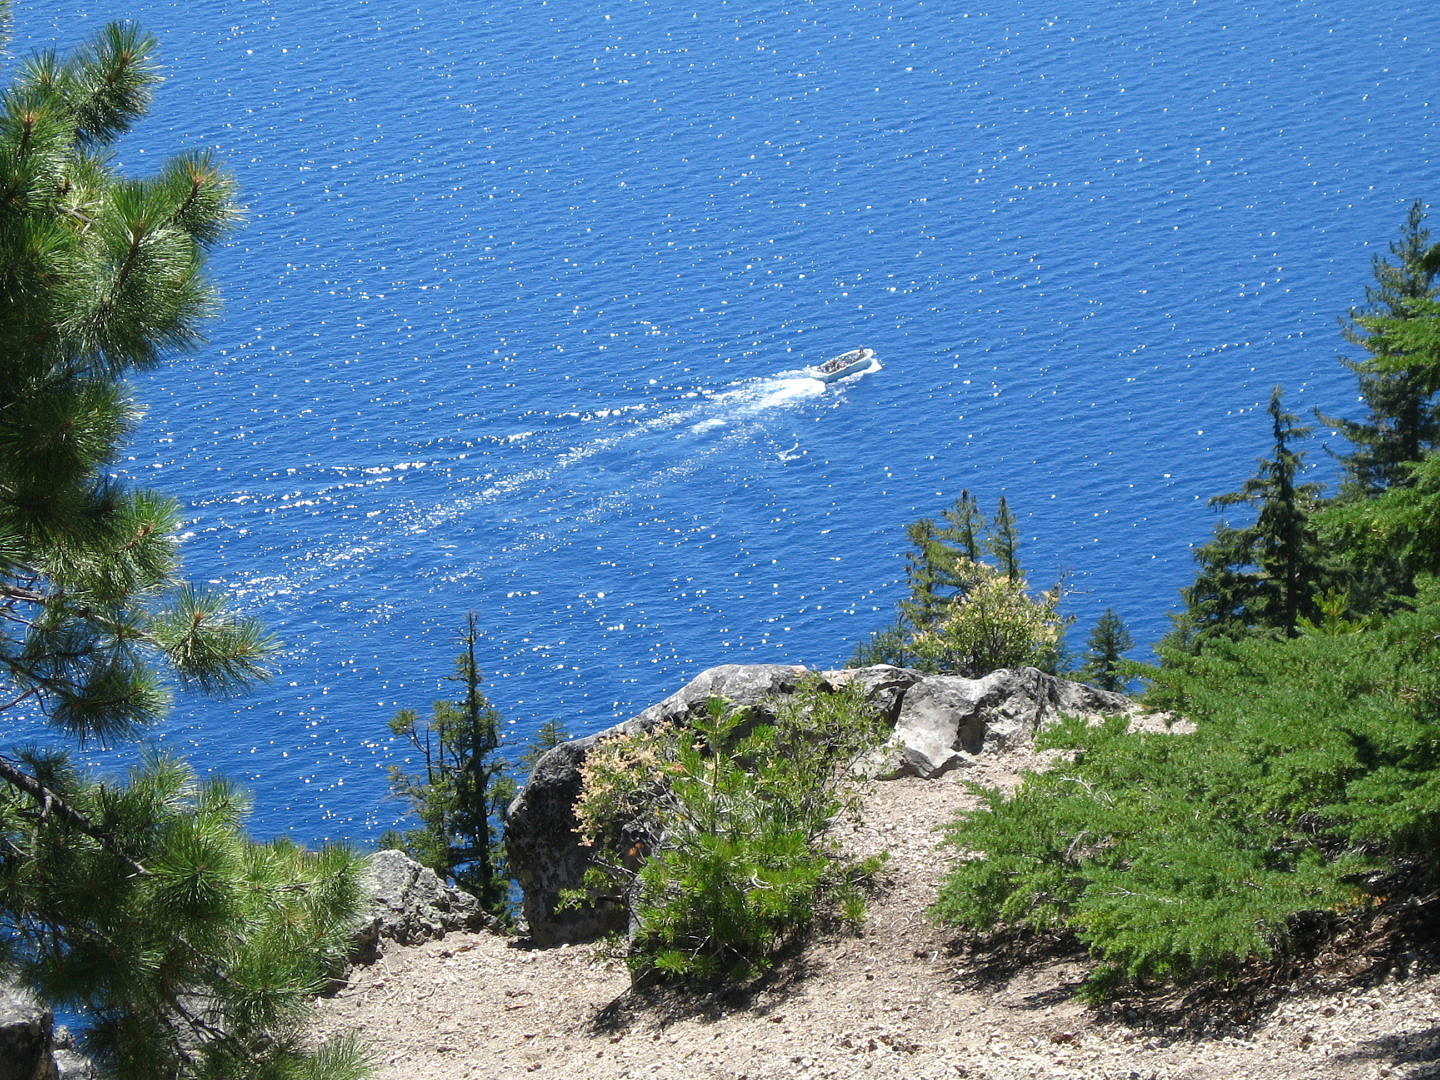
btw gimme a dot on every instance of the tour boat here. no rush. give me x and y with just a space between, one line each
847 363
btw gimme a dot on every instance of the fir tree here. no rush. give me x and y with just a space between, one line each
926 572
191 951
1105 652
965 527
461 795
1395 377
964 615
1268 573
887 646
941 566
1003 541
1398 531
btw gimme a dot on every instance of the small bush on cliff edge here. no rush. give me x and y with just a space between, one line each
718 834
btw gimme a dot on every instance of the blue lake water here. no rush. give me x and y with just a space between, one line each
518 320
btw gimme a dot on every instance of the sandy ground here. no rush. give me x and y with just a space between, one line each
896 1001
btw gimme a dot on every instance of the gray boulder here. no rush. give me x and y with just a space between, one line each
409 903
945 717
27 1032
70 1064
745 685
884 686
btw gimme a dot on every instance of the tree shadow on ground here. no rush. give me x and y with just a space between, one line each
1035 970
1413 1048
662 1004
999 961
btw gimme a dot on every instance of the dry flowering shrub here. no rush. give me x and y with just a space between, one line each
621 779
994 624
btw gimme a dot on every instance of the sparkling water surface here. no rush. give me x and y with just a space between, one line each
518 321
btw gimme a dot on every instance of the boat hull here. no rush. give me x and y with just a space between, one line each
845 364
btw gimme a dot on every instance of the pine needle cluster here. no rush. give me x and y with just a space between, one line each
187 949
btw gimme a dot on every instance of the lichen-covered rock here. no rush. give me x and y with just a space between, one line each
409 903
884 686
27 1030
945 717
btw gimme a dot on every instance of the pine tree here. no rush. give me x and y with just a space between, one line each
140 903
1269 573
1395 377
461 795
1105 652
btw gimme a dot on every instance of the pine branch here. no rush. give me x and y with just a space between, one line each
51 803
15 592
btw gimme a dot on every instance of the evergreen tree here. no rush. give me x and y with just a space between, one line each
461 796
1395 376
1105 652
941 566
140 903
962 614
965 527
1003 541
1399 530
1303 804
927 566
1269 573
547 736
887 646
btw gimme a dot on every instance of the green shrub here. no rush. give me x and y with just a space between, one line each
1311 771
719 834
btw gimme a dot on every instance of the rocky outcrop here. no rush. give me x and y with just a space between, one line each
543 851
938 720
409 903
27 1050
943 718
884 687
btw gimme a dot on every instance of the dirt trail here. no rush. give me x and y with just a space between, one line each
895 1002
